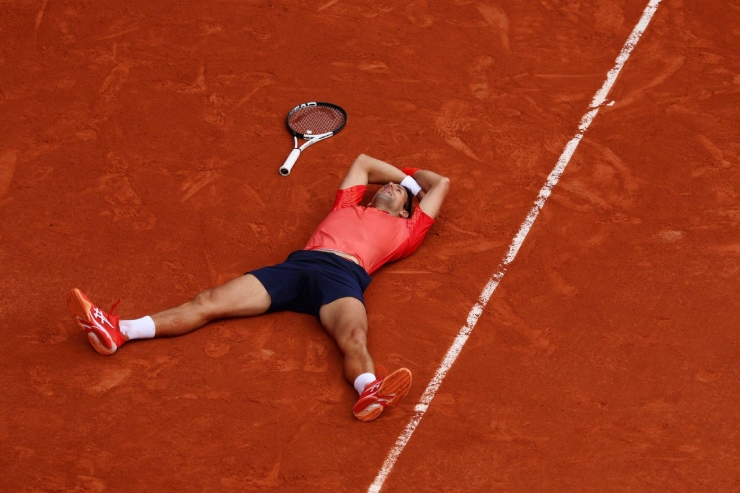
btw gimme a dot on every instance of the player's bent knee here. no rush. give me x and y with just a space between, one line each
206 302
354 338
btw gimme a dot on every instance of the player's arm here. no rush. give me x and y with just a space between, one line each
366 169
434 188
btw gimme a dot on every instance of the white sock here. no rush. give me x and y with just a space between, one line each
141 328
362 381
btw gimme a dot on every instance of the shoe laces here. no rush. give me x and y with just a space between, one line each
113 308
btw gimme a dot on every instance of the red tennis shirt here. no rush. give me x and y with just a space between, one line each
371 235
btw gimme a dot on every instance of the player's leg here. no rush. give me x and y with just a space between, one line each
346 321
241 297
244 296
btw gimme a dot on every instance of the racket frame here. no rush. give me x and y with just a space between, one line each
310 139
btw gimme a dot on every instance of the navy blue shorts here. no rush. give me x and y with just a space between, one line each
309 279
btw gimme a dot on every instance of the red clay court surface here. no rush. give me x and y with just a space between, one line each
139 149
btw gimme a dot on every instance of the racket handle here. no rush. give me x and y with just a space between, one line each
290 162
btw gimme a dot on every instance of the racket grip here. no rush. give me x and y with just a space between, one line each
290 162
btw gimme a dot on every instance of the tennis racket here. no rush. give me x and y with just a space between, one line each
312 122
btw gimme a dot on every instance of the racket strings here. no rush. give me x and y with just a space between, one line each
316 120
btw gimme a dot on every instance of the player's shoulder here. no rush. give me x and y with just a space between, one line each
349 197
419 221
420 215
353 193
352 188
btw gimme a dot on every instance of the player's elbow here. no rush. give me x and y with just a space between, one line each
361 161
440 188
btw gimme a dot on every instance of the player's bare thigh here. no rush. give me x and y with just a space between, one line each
244 296
344 319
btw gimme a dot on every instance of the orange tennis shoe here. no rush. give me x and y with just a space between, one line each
384 391
102 328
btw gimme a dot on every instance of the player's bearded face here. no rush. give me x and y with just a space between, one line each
391 198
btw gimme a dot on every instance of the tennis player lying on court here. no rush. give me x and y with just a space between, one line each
326 279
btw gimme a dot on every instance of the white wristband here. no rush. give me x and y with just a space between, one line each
411 184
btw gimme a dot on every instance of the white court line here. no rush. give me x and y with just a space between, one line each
552 180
